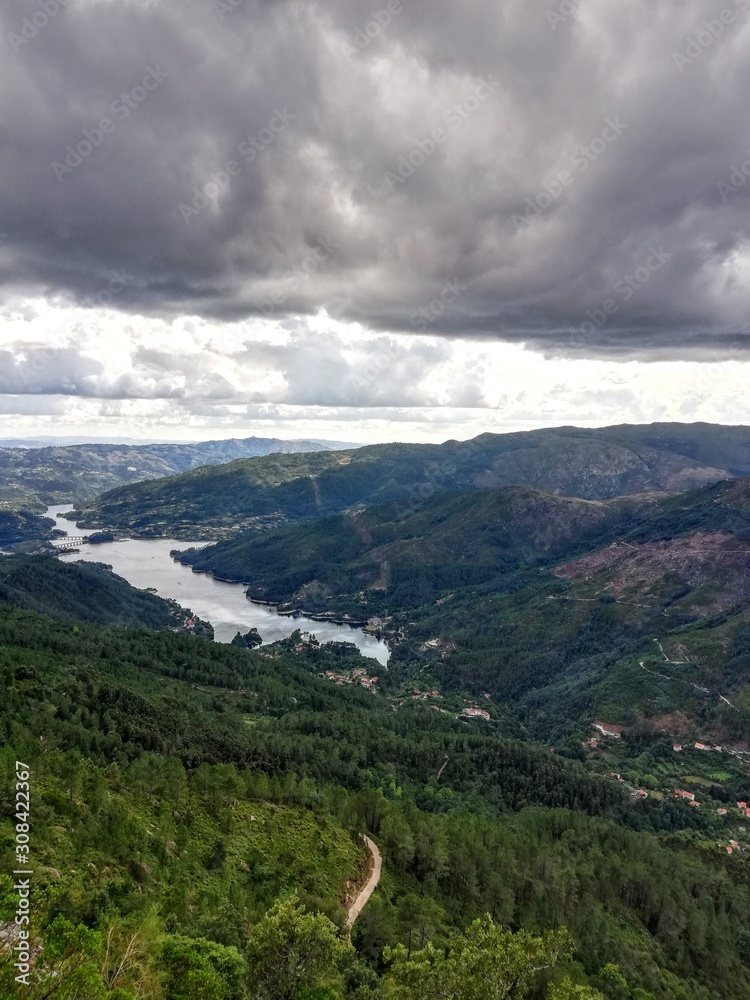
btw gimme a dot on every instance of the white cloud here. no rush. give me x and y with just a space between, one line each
110 373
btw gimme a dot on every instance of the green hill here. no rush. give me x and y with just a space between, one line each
568 461
547 604
17 527
32 478
88 592
457 537
182 790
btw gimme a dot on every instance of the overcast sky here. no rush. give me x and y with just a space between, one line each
372 221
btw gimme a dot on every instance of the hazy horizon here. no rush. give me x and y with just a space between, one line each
63 439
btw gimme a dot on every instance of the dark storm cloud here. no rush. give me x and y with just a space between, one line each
279 157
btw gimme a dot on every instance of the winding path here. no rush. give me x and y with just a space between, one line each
370 885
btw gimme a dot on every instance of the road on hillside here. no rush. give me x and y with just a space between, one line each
370 886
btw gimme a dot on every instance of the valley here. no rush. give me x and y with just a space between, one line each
560 738
152 564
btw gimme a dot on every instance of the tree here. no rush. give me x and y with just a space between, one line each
67 969
418 917
217 856
249 640
291 950
202 970
397 840
73 770
375 928
485 963
613 983
567 991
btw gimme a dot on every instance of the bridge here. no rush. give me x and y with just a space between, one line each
70 541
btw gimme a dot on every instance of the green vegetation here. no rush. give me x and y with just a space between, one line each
169 830
266 492
549 605
197 809
250 640
448 541
88 592
33 478
18 527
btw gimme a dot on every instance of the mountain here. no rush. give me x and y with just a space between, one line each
65 440
59 441
560 609
487 531
32 478
594 464
692 552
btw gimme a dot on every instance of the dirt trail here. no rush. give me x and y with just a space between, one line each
370 886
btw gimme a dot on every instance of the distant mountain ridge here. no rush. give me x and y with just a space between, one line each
592 464
33 477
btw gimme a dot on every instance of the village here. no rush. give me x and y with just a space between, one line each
356 676
607 743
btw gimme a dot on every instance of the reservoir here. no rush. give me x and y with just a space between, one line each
147 563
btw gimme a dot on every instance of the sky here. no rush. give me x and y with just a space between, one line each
400 220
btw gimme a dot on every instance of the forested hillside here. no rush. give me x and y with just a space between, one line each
552 764
558 609
89 592
466 537
596 464
183 790
33 478
20 526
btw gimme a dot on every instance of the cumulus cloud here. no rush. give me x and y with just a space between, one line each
317 377
272 159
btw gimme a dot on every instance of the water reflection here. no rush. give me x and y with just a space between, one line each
147 563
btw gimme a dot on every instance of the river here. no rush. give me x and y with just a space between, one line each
147 563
